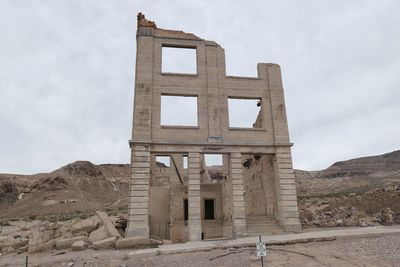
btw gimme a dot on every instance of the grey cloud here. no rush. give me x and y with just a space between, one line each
67 73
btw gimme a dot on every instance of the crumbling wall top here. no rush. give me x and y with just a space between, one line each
143 22
150 28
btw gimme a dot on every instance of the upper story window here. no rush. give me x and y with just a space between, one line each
179 60
179 110
245 113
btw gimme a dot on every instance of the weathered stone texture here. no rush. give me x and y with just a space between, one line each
235 186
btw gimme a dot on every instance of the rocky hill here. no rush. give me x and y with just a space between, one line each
355 175
75 188
367 185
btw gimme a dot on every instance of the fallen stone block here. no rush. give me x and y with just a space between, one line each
67 243
132 242
47 246
64 232
155 241
23 250
42 233
108 224
97 235
79 245
167 242
105 244
6 241
88 225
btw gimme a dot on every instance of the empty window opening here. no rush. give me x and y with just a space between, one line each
179 60
213 160
185 161
209 209
163 161
178 110
245 113
185 209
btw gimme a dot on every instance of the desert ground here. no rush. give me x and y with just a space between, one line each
370 251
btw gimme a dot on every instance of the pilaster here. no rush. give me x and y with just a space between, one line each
288 210
194 197
238 203
138 213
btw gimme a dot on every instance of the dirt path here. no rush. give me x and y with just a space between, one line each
371 251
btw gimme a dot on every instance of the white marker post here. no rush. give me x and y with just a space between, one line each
261 250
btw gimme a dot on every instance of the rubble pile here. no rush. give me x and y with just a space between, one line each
374 207
97 232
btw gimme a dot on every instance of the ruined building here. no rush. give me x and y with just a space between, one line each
249 187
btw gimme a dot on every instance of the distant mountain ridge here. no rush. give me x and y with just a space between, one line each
83 185
356 175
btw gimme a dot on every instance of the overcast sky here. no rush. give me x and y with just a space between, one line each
67 73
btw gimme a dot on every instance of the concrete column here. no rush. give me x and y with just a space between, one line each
194 197
238 204
214 127
138 219
288 211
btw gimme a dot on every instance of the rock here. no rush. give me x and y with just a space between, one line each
108 224
155 241
362 223
11 242
167 242
88 225
316 222
132 242
67 243
49 202
106 243
6 241
22 250
41 235
64 232
99 234
49 245
387 216
79 245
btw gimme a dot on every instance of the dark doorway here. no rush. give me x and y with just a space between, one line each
185 209
209 209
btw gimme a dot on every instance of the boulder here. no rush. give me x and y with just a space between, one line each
339 223
362 223
64 232
108 224
99 234
387 216
6 241
79 245
47 246
105 244
22 250
87 225
67 243
40 236
132 242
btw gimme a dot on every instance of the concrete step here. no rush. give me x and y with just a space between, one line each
265 231
262 225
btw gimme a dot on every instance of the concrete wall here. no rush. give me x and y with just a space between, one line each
259 185
213 134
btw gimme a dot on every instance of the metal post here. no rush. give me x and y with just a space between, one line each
262 261
26 261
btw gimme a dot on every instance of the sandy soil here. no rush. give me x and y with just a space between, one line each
371 251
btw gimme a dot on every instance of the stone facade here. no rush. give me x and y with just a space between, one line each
253 191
